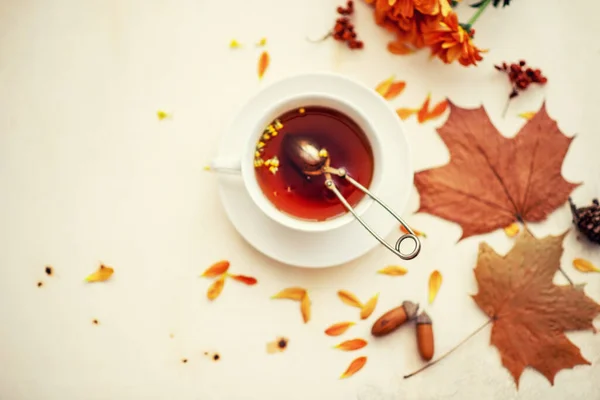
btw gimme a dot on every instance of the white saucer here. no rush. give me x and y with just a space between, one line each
323 249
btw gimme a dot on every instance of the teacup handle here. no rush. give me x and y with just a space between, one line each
226 165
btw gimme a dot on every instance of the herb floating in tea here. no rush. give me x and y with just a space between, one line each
529 312
343 30
354 367
220 270
102 274
520 77
587 219
435 282
493 181
338 329
584 265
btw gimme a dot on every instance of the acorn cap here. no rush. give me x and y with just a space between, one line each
410 309
423 318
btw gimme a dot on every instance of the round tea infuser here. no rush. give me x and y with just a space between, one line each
311 160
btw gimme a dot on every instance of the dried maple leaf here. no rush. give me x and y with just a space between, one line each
493 181
216 288
530 314
218 268
393 270
263 64
354 367
349 299
351 345
102 274
338 329
369 307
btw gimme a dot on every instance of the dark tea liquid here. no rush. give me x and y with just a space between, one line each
306 197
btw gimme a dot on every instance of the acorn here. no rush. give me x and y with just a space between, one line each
425 336
391 320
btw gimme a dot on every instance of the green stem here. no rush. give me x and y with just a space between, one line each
480 11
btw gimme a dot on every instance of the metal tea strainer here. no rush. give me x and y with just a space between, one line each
312 160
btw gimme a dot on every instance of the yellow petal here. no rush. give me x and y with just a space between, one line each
305 308
369 307
446 8
218 268
262 42
291 293
405 113
351 345
512 230
393 270
338 329
435 281
349 299
584 265
354 367
527 115
216 288
234 44
102 274
417 232
161 114
383 87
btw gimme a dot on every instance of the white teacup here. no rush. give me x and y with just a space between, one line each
245 163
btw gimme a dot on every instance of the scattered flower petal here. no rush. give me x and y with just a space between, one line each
305 308
393 270
512 230
262 42
248 280
216 288
584 265
405 113
349 299
424 110
399 48
102 274
277 346
369 307
263 64
384 86
291 293
435 281
161 114
338 329
234 44
527 115
417 232
354 367
218 268
394 90
351 345
437 110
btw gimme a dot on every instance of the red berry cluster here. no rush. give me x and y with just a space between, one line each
343 31
521 76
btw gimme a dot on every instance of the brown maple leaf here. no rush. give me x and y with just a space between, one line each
493 181
530 314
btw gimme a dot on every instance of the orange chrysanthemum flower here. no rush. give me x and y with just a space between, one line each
449 41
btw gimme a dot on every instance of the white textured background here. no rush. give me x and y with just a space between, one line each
88 174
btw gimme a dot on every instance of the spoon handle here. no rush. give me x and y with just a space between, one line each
394 249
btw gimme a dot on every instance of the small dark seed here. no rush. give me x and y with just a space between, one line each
216 357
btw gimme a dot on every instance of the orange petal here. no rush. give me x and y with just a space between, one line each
291 293
527 115
438 110
418 233
216 288
305 308
405 113
383 87
218 268
368 308
584 265
394 90
393 270
349 299
435 281
354 367
263 63
102 274
351 345
399 48
248 280
512 230
338 329
424 110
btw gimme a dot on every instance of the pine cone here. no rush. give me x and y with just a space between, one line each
587 220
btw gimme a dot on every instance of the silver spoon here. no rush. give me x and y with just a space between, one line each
312 160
